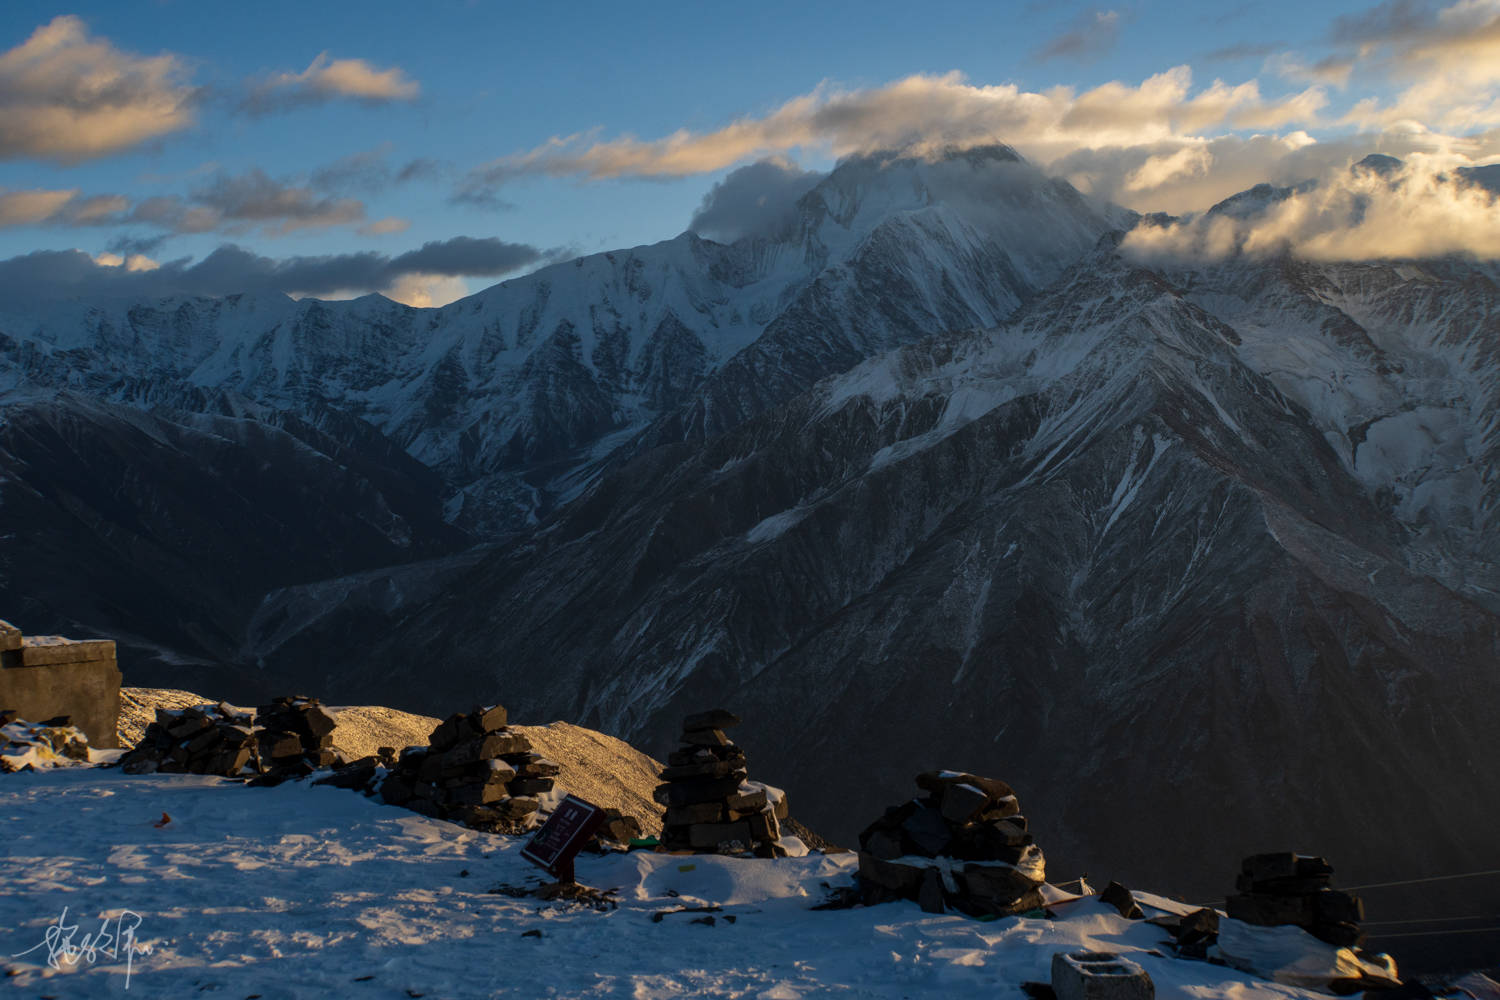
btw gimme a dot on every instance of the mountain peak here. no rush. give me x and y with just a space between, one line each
1379 163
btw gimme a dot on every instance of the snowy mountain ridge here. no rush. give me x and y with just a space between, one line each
941 468
504 391
1095 545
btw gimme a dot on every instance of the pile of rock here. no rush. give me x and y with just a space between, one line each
29 746
962 845
205 739
290 737
712 807
475 770
295 738
1286 888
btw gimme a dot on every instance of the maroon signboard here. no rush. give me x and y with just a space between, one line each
558 842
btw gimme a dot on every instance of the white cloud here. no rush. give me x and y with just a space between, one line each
1188 161
1450 55
68 96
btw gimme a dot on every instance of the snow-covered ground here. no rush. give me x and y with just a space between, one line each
299 891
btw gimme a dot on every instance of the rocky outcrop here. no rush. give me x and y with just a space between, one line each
30 746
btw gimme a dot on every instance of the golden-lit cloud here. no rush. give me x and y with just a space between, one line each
425 290
42 207
68 96
924 113
134 262
327 79
385 227
24 208
1425 207
1449 59
229 203
1166 143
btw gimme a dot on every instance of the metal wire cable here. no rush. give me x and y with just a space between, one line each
1426 920
1466 930
1419 881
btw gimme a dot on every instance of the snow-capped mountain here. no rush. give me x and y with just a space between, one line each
939 469
1398 365
1110 545
508 393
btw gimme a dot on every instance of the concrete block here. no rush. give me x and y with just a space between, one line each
1099 975
48 676
10 636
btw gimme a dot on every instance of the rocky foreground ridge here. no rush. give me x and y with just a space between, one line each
962 846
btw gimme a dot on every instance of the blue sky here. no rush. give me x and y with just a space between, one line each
269 108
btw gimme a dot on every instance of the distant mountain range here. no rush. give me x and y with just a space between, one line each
938 476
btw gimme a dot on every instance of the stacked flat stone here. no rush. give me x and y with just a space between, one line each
712 806
962 845
1286 888
295 738
475 770
203 739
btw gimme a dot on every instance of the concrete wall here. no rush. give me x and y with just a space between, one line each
46 676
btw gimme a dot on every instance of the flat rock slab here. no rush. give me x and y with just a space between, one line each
961 801
716 718
48 650
1285 864
1121 899
936 781
487 720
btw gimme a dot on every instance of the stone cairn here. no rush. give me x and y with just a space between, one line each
712 807
475 770
962 845
1287 888
291 737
